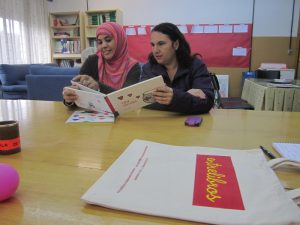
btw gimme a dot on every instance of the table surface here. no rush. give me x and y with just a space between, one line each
59 161
266 82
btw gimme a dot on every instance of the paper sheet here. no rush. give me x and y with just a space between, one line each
288 150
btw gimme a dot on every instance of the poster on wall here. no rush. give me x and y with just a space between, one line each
220 45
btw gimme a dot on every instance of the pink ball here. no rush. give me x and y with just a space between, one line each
9 181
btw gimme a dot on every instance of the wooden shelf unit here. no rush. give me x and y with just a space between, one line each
94 18
67 37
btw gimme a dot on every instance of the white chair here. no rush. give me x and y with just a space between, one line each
86 52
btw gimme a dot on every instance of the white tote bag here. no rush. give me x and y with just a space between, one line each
208 185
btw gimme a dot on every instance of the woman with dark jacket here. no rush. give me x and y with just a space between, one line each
188 86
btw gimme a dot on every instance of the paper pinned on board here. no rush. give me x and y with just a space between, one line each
130 31
183 29
211 29
141 30
240 28
225 28
197 29
239 51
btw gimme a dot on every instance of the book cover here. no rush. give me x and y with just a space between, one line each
118 102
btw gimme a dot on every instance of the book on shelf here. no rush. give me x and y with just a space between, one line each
72 20
92 42
68 33
99 18
66 46
118 102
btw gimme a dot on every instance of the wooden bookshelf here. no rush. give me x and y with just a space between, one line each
94 18
67 37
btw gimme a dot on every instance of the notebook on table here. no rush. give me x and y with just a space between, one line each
288 150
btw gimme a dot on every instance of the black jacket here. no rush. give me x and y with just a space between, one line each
196 77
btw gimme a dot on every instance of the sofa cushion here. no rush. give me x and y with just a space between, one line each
47 87
14 95
21 82
14 88
11 74
50 70
1 74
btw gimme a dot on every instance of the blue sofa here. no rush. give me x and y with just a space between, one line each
13 80
34 81
47 83
13 84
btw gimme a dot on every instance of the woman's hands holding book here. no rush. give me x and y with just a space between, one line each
70 96
87 81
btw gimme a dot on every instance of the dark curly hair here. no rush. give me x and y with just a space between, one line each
183 53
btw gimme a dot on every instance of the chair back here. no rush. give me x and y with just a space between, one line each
87 52
216 86
226 103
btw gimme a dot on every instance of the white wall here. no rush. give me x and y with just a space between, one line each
179 11
272 17
67 5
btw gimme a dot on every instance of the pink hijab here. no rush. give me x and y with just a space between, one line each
113 72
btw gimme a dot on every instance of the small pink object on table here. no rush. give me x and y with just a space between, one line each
9 181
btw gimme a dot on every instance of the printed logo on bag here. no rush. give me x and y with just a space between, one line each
216 184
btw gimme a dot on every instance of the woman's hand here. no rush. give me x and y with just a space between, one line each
197 93
69 95
87 81
163 95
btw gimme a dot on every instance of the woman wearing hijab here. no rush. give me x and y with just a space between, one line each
110 68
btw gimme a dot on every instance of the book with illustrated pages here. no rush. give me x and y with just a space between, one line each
83 116
118 102
202 184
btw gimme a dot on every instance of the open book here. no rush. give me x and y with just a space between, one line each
120 101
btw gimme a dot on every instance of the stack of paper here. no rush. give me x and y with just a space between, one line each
288 150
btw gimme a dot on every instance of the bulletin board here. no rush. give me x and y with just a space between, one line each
220 45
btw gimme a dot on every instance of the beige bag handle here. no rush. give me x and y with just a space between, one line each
284 162
279 162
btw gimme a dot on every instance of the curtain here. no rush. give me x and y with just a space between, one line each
24 32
